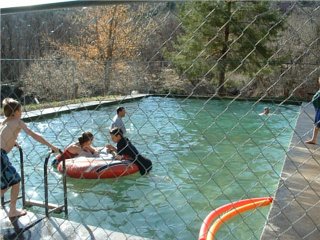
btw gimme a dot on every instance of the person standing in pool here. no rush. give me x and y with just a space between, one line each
9 131
117 120
126 151
316 105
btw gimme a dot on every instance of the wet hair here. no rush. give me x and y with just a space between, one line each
85 137
116 131
120 109
10 106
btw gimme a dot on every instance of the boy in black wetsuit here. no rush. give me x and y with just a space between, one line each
126 151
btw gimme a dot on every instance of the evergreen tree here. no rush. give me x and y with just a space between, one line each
224 36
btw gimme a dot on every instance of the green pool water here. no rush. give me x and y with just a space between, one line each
205 154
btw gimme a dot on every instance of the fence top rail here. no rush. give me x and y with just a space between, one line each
69 4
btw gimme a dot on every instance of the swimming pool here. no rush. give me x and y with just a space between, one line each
205 154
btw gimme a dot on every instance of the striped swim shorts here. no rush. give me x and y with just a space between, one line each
9 175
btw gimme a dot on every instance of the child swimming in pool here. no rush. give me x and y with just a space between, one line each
10 129
266 111
126 151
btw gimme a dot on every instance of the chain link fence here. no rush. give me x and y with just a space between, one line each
194 78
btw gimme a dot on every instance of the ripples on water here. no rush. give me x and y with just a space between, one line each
205 154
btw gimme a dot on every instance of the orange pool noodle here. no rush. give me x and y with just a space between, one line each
225 217
217 212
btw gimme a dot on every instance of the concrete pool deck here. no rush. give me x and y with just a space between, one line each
47 112
295 212
54 228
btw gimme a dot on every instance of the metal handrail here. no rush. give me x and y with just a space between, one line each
53 207
23 188
46 190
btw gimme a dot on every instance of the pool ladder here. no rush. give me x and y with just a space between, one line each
53 207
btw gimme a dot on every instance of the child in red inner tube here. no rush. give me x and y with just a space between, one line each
126 151
81 148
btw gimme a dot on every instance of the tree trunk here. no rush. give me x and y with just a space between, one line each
223 57
108 61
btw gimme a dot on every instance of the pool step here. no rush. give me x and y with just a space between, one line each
58 208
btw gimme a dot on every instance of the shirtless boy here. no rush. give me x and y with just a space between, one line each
9 131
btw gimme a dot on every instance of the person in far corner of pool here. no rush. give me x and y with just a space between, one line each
81 148
316 104
126 151
117 120
266 111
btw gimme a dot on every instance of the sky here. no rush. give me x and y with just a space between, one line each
20 3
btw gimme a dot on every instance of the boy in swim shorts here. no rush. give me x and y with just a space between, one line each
9 131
